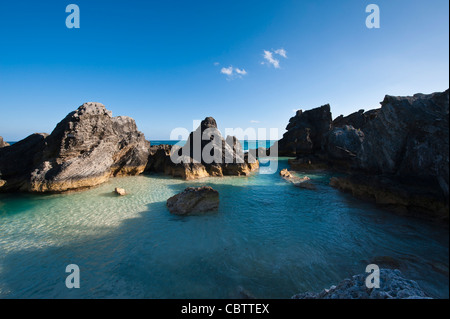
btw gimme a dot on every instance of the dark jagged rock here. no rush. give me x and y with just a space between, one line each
403 163
18 160
398 155
3 143
206 153
194 200
305 132
392 286
85 149
344 143
410 138
358 119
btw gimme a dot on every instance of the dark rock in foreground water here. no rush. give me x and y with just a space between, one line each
392 286
85 149
194 200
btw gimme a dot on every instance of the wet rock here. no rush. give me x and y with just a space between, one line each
397 195
301 182
120 191
194 200
392 286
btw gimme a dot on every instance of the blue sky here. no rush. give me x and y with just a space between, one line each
162 62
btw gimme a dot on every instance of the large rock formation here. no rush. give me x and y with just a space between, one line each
403 162
409 138
85 149
392 286
206 153
194 200
306 132
398 155
3 143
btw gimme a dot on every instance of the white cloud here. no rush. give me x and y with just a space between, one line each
216 63
271 60
281 52
254 121
269 57
241 72
232 72
227 71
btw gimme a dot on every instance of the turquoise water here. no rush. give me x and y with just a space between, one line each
269 238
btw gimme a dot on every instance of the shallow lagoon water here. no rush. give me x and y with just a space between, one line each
268 238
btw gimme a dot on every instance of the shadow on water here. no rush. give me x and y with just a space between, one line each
272 240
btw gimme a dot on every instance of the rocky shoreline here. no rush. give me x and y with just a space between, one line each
396 156
392 286
89 146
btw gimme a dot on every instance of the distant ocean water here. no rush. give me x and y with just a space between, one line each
246 145
268 237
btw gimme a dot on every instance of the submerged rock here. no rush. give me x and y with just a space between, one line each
206 153
120 191
3 143
85 149
194 200
392 286
301 182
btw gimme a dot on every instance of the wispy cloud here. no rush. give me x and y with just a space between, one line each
241 72
232 72
254 121
271 57
281 52
227 71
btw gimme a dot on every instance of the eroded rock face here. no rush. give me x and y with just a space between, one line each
85 149
194 200
392 286
344 143
386 150
3 143
410 138
358 119
206 153
305 132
